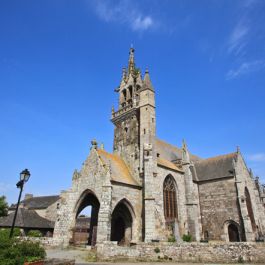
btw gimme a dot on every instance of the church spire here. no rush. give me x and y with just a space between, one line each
131 65
147 80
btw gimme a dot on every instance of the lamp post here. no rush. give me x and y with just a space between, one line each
24 177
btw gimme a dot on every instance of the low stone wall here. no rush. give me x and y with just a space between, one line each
184 252
45 241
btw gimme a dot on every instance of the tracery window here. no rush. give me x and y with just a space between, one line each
170 198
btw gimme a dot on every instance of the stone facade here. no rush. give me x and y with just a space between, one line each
148 190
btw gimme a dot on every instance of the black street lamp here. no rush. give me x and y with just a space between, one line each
24 177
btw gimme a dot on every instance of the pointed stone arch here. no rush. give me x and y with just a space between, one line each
88 198
232 231
122 220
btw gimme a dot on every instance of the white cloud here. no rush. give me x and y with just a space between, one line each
245 68
123 12
259 157
142 23
238 38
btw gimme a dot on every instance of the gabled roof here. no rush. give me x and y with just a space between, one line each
119 170
215 167
26 219
41 202
171 152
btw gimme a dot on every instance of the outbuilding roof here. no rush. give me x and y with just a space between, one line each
40 202
26 219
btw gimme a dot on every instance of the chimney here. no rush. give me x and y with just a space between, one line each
28 196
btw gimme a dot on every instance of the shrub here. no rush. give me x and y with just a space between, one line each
171 239
34 233
187 238
16 252
5 232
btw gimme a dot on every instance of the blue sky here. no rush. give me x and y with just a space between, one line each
60 62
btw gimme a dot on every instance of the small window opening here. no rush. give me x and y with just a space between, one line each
144 131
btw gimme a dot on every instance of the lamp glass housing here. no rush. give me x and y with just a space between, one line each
24 175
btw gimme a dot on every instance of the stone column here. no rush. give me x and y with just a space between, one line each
240 173
149 201
191 205
104 215
192 202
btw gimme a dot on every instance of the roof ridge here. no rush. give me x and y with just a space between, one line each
216 157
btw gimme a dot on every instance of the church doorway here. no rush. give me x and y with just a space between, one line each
85 230
121 224
233 233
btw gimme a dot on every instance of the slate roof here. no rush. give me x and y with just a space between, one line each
215 167
169 153
41 202
26 219
119 170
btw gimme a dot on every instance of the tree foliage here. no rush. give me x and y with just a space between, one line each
3 206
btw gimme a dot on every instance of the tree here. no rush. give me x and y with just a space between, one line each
3 206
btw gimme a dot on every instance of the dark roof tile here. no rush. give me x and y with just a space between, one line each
215 167
26 219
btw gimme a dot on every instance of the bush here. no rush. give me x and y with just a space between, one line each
187 238
34 233
16 252
171 239
5 232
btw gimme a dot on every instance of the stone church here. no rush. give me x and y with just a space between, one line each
149 190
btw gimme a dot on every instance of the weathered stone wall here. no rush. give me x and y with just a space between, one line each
185 252
91 177
218 200
134 196
245 180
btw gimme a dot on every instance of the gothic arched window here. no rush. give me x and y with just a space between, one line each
170 198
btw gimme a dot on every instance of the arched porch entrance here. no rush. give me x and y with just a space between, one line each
233 233
121 223
85 231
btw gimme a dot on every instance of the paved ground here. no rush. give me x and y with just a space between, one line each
82 257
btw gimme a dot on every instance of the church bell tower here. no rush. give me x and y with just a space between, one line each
134 120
